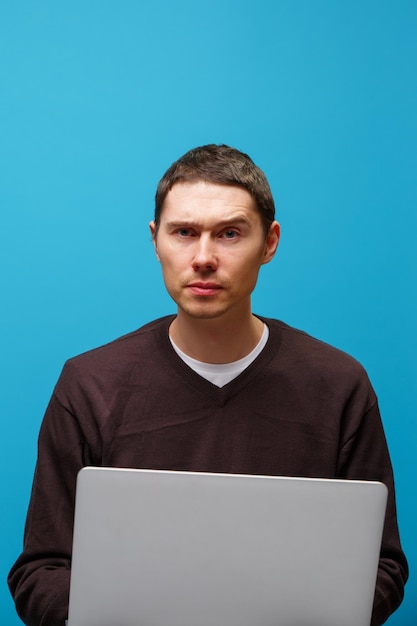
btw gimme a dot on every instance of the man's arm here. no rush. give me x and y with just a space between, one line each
365 456
39 580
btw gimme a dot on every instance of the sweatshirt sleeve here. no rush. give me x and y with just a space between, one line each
39 580
365 456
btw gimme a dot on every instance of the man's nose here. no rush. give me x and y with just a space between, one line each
205 257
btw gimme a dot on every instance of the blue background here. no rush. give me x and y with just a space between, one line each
99 97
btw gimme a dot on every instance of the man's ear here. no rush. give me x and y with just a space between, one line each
271 242
153 229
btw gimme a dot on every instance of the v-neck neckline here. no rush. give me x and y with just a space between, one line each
219 395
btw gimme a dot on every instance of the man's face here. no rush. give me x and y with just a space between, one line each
211 244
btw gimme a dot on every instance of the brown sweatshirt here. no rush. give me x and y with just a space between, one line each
302 408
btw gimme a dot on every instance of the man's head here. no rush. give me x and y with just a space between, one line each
214 228
221 165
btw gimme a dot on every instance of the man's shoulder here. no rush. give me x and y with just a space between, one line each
123 350
306 351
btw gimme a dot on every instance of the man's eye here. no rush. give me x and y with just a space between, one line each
229 234
184 232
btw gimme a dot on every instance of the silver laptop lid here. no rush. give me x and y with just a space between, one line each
154 548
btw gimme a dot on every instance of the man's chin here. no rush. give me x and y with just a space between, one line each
202 313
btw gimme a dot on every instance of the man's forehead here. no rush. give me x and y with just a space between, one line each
190 195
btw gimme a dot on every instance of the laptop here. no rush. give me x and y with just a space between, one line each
161 548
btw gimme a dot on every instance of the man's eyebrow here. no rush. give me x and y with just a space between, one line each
190 223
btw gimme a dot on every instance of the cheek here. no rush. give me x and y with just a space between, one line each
171 266
247 274
246 262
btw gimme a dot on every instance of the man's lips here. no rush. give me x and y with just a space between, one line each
201 288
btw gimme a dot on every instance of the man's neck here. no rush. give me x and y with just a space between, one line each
219 340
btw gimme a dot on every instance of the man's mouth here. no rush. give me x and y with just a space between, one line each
203 288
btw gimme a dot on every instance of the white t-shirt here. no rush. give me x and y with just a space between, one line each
222 373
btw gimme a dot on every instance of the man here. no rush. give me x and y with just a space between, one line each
213 388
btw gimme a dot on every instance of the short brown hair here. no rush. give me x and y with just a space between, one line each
222 165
